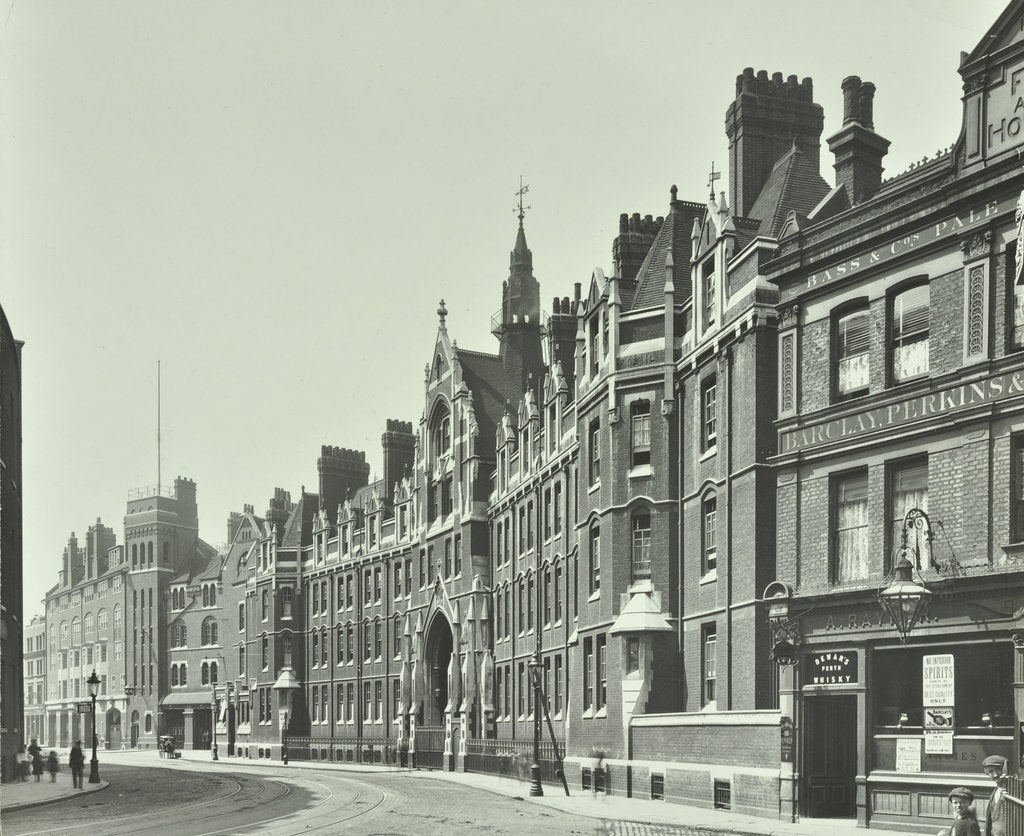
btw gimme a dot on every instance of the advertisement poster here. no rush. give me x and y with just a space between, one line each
937 680
938 741
938 730
908 754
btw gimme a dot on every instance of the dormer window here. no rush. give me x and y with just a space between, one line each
708 285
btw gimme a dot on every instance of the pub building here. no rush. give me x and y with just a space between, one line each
897 614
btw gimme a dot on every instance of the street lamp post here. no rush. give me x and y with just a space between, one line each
94 767
535 785
213 718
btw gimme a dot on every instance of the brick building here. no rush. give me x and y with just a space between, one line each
35 679
12 622
900 392
652 502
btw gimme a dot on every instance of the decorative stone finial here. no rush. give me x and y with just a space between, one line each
442 312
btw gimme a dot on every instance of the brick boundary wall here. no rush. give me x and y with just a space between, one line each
693 751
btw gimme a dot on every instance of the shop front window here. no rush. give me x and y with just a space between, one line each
980 720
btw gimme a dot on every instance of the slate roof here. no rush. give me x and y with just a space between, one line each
299 528
793 186
674 235
485 377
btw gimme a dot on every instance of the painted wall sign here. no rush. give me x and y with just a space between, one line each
937 679
908 754
953 399
946 228
832 668
1004 108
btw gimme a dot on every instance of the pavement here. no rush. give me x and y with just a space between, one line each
599 806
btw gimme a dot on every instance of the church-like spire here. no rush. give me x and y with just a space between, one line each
521 255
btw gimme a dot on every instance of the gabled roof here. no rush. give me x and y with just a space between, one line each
675 237
298 531
793 186
1003 33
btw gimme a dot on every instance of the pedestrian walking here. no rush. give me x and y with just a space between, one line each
51 766
995 813
37 764
965 821
77 762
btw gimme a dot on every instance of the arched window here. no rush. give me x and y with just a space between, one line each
595 558
206 596
149 552
205 674
184 675
76 631
149 724
213 595
315 656
102 621
441 431
213 673
135 555
709 534
209 631
641 544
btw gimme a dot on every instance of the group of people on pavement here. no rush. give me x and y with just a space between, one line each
34 762
965 821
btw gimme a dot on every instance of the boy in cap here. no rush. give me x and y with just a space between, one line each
995 815
965 822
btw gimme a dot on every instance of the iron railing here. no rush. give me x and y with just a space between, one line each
1014 796
513 758
430 746
384 751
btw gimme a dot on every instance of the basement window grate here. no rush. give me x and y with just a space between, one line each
723 795
657 787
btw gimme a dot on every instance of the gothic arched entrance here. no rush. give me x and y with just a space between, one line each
438 653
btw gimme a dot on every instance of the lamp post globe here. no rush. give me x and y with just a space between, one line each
94 766
904 601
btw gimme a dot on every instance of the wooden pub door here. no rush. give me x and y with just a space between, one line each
831 749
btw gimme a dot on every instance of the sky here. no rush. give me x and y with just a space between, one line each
269 200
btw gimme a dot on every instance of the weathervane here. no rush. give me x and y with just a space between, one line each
522 191
714 175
